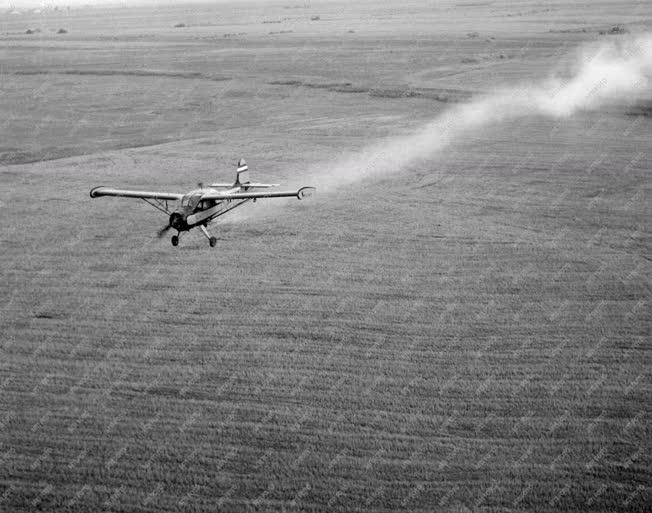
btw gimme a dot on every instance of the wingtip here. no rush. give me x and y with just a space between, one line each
93 192
305 192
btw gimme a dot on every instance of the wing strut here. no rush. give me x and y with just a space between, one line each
229 209
161 205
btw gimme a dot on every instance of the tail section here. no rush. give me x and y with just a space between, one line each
242 174
242 179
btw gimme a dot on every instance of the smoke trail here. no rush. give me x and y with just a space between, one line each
612 71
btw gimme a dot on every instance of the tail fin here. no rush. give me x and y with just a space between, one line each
242 174
242 179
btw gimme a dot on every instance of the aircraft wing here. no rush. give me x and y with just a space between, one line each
304 192
96 192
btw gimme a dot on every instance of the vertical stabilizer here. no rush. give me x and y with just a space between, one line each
242 174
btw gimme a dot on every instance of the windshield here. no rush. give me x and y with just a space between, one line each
190 200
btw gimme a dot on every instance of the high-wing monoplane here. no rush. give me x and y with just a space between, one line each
199 207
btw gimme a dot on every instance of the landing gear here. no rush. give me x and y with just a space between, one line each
211 240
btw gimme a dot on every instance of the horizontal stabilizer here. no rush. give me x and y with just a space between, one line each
259 185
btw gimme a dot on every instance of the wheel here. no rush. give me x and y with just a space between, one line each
212 241
175 240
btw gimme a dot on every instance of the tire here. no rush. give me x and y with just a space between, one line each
212 241
175 240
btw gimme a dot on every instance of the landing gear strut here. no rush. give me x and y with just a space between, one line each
211 240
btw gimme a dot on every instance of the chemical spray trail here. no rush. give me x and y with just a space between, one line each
602 74
612 71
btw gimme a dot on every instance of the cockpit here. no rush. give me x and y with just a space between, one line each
190 200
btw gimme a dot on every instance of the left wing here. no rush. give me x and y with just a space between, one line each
96 192
304 192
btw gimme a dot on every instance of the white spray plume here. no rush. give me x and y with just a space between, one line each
618 70
604 73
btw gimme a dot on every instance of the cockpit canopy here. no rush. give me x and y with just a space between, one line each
190 200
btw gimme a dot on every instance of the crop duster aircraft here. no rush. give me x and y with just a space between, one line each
199 207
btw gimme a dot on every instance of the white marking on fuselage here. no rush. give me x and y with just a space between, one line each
202 215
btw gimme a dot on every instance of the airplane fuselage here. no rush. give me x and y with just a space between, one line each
194 211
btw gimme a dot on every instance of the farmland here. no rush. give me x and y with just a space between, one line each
468 333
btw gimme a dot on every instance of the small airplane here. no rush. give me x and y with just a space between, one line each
200 206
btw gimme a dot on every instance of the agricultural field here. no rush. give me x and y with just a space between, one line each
458 320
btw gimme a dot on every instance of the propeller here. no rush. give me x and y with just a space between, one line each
176 221
163 230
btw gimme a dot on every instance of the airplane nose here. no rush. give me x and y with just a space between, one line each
177 221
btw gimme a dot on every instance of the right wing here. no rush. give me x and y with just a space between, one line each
304 192
96 192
